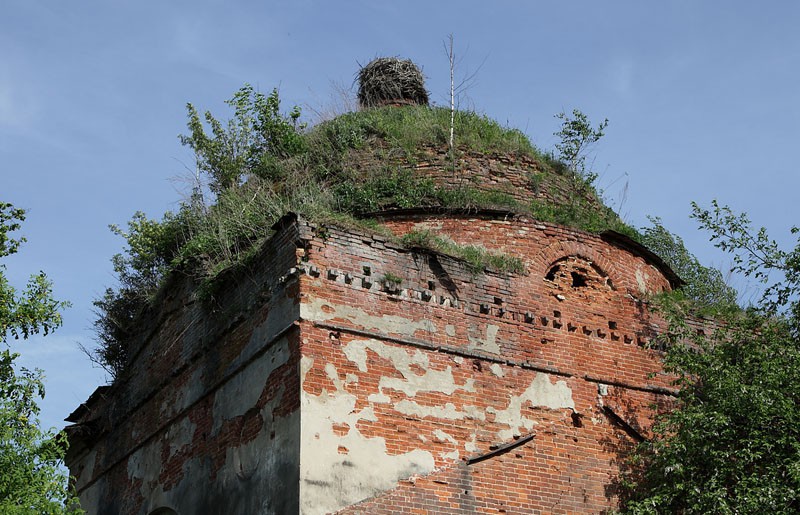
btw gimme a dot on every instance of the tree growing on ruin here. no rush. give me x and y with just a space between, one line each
31 480
576 138
732 445
705 288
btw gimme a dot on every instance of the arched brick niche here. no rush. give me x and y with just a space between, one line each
573 252
576 265
578 273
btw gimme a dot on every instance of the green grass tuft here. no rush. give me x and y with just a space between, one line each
477 258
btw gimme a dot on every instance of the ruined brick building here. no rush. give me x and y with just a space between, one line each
347 373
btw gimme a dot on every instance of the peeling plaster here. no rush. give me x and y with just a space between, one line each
442 437
243 391
447 412
282 311
330 480
180 435
379 398
471 446
320 310
244 460
258 476
541 392
411 383
641 280
485 343
145 464
306 363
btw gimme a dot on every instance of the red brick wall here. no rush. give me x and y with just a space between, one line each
311 384
456 364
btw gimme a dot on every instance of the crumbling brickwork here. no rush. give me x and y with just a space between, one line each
346 373
521 177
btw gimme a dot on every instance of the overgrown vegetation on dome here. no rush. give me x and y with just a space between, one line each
262 163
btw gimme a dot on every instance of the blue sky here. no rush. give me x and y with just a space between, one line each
702 98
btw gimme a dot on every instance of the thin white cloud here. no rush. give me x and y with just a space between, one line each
39 351
620 75
19 109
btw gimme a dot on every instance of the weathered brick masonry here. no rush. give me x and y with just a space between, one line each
320 383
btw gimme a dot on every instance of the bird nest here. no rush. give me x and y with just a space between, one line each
391 80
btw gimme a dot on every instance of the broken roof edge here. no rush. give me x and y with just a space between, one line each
609 236
86 406
634 247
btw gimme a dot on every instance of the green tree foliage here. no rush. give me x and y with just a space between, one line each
31 480
251 143
262 163
576 138
705 286
34 310
732 445
242 161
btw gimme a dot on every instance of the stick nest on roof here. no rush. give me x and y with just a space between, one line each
391 80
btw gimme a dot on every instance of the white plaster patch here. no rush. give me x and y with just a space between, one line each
320 310
145 464
451 456
243 391
408 364
485 343
497 370
180 435
641 280
541 392
440 436
333 375
450 330
306 363
447 412
244 460
329 480
379 398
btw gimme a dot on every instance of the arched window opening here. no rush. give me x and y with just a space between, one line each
577 273
578 280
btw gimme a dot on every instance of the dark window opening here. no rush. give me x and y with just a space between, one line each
578 280
551 275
